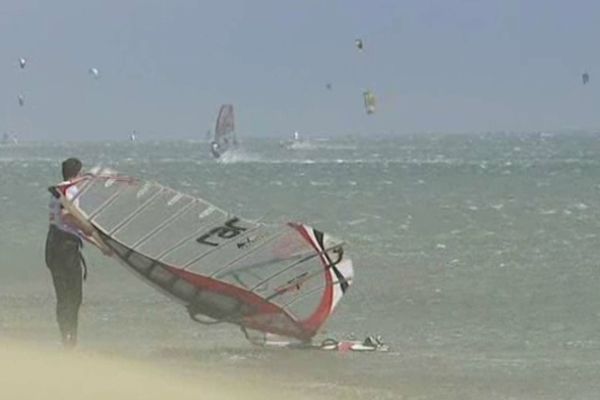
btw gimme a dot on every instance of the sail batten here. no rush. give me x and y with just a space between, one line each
254 249
304 258
140 208
163 225
199 258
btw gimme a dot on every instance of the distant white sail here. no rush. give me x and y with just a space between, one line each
94 72
224 137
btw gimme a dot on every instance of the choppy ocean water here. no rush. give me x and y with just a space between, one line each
476 258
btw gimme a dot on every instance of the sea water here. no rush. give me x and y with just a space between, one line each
476 258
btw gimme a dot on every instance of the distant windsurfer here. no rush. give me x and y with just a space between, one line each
214 149
63 253
224 135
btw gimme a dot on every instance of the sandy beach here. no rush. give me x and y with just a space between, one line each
31 372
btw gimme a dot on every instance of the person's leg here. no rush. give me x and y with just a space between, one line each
74 296
60 280
54 251
64 261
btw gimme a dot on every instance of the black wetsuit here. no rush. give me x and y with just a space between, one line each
63 258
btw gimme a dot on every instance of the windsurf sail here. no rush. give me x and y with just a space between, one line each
94 72
585 78
370 102
359 44
280 279
224 137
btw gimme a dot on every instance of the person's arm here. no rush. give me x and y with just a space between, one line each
73 221
89 231
72 216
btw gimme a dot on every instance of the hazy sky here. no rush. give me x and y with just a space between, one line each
167 65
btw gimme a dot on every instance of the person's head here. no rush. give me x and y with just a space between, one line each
71 167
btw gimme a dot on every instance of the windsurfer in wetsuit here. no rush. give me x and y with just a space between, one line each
63 253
